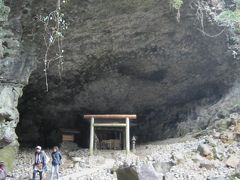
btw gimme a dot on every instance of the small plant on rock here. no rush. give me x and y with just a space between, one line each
54 25
176 4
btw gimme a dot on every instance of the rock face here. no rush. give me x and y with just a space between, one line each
120 57
124 57
14 74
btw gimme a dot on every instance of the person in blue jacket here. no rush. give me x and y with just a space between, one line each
56 161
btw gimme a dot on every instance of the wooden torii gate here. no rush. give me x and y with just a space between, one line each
120 117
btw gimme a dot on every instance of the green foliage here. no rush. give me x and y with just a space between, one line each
8 155
231 18
176 4
235 176
3 11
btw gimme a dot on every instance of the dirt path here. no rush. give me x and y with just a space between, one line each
88 172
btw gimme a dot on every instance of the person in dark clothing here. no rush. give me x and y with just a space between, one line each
56 161
39 163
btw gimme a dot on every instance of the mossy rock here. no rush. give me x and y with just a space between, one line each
4 11
8 156
127 173
235 176
223 124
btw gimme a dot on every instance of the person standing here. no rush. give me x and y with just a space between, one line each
39 163
56 161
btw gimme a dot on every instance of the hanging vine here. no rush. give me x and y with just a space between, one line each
203 10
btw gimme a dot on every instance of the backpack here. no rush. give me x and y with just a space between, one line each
47 159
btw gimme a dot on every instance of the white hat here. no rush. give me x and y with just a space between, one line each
38 147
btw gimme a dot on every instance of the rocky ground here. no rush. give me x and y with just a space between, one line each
212 154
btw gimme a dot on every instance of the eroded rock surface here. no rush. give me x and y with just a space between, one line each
127 57
14 74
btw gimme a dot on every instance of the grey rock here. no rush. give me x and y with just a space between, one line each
4 12
169 177
163 167
234 116
127 173
216 134
233 161
197 158
227 136
223 114
1 49
212 142
207 165
77 159
205 150
217 178
178 157
145 171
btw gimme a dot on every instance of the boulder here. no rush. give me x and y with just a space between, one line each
218 178
169 177
231 128
233 161
219 152
234 116
216 134
205 150
145 171
127 173
163 167
1 49
212 142
149 158
114 169
207 164
177 157
7 135
77 159
8 155
237 131
197 158
227 137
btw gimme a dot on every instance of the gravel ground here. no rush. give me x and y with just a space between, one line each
214 156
